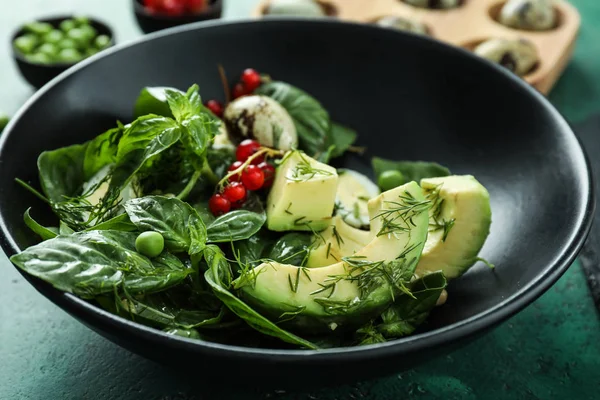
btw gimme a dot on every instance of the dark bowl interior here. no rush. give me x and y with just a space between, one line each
39 74
409 97
150 22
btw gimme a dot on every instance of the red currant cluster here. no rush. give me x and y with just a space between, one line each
249 82
176 7
250 172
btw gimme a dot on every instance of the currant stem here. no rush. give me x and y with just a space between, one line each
263 151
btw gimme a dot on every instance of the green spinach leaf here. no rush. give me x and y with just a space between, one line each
61 172
235 225
42 231
218 276
252 249
292 248
176 220
408 312
412 170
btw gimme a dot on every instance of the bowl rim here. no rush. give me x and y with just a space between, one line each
17 55
453 333
139 8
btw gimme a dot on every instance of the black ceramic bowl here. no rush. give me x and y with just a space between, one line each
150 22
39 74
409 97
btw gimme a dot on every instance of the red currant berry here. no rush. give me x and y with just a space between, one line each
219 205
152 5
234 166
215 107
253 177
247 148
235 192
239 90
269 172
173 7
196 6
250 79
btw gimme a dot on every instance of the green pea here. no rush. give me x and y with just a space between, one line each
67 43
150 243
54 36
69 55
390 179
79 37
91 51
26 43
48 49
3 121
81 20
102 42
39 28
67 25
39 58
88 31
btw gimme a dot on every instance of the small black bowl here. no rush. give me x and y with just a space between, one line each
40 74
410 98
150 22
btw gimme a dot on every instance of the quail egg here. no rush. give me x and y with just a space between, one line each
519 56
443 4
538 15
297 8
260 118
402 24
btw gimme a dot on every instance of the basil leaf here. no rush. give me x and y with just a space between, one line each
119 223
65 229
153 100
86 263
235 225
252 249
412 170
201 129
292 248
42 231
146 138
176 220
220 159
407 313
184 106
342 138
310 118
167 271
61 172
102 151
218 276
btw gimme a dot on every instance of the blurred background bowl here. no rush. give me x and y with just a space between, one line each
38 74
151 22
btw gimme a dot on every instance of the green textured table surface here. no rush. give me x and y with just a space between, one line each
551 350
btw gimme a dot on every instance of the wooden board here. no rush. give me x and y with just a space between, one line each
471 24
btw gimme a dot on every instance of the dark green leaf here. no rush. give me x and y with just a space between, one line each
220 159
61 172
176 220
86 263
200 129
153 100
311 119
235 225
119 223
412 170
407 313
101 151
291 248
64 229
218 277
253 248
369 334
167 271
342 138
3 122
186 333
42 231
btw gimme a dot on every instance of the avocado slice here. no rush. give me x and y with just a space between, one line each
348 293
302 197
337 241
353 193
460 219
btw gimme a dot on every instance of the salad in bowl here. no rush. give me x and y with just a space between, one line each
235 223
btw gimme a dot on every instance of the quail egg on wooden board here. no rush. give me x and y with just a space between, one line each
520 56
260 118
538 15
443 4
402 24
298 8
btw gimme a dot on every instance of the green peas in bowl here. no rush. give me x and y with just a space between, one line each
43 49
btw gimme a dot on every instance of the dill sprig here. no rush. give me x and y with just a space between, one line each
304 171
436 221
398 218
